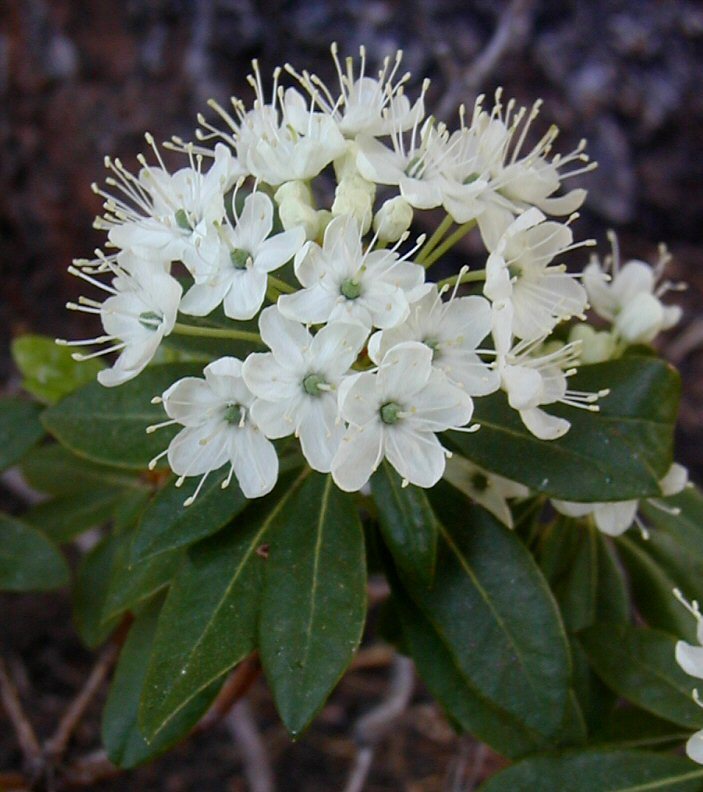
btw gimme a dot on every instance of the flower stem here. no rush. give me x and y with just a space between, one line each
434 240
467 277
216 332
448 243
282 286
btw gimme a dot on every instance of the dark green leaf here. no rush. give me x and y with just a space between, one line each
599 771
209 620
495 614
108 425
408 524
314 601
617 454
49 371
631 727
167 524
583 574
90 591
64 518
20 429
214 347
56 471
124 743
28 560
638 664
465 703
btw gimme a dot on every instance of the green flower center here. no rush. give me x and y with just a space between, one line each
151 320
239 258
433 344
234 414
350 288
311 384
182 221
390 412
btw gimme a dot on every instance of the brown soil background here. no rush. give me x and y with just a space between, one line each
82 79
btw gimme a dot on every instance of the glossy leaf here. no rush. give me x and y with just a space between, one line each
638 664
123 741
209 620
90 591
49 372
408 524
54 470
62 519
314 601
108 425
28 560
495 614
618 453
20 429
599 771
167 523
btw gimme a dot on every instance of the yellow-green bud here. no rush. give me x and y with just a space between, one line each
294 213
596 346
294 191
393 219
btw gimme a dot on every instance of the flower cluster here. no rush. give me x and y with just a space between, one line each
690 658
305 200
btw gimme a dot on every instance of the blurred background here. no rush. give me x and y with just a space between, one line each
79 80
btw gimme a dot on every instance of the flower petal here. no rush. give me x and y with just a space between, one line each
359 453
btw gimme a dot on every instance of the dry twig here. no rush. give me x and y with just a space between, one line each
257 767
26 737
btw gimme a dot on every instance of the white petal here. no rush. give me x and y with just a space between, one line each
246 294
268 379
275 419
405 370
690 658
358 455
255 462
571 509
439 406
634 278
694 747
320 432
288 340
523 386
543 425
337 346
312 306
674 481
615 518
191 401
358 398
197 450
202 299
418 457
276 250
255 222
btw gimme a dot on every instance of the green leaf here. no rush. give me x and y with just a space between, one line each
28 560
20 429
652 588
49 371
408 524
56 471
209 620
631 727
62 519
214 347
123 741
465 703
619 453
90 591
108 425
133 582
314 601
167 524
495 614
599 771
583 575
638 664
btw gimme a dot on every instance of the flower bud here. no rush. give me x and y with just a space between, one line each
393 219
295 213
595 346
294 191
353 197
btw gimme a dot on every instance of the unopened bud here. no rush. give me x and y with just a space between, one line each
294 191
294 213
393 219
596 346
353 198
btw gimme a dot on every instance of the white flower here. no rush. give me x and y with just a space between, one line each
531 380
165 214
519 179
366 105
519 270
632 300
690 658
453 331
218 429
234 261
431 169
342 282
616 517
487 489
395 413
140 311
296 383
